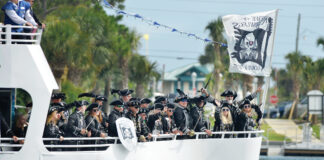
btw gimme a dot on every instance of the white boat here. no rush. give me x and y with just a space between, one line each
25 66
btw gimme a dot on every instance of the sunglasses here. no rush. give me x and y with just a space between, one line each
184 100
170 110
119 106
229 96
247 106
225 109
95 110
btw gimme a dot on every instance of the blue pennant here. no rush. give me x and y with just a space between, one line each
137 16
207 40
174 30
155 23
107 3
121 12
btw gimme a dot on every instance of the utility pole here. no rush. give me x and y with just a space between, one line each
294 105
298 28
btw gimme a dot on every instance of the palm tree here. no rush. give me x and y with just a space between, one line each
216 30
141 72
295 69
320 41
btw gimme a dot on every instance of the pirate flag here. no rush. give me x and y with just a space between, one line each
250 42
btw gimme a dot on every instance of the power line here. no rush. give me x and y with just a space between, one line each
209 13
202 53
257 3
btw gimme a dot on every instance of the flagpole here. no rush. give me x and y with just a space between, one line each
266 88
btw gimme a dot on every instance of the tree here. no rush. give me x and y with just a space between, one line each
141 72
320 41
216 30
295 68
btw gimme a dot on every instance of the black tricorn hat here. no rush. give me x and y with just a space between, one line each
245 101
52 109
181 96
225 105
170 105
145 101
58 96
229 92
125 92
198 99
159 99
158 106
81 103
101 98
133 103
93 105
60 106
116 103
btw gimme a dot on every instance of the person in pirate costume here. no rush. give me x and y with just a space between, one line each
51 129
145 103
76 126
144 131
57 100
230 96
168 122
62 122
224 120
133 108
102 115
125 95
181 114
161 99
94 126
197 115
246 120
115 114
155 120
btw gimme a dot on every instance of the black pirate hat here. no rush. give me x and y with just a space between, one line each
93 105
145 101
159 99
125 92
116 103
58 95
52 109
229 92
181 96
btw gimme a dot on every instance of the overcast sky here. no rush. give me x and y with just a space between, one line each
192 16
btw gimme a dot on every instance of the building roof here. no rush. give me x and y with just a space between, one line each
172 75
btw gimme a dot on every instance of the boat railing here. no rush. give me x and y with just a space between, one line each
101 144
30 35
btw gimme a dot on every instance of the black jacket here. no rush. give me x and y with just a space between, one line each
220 126
247 123
75 124
197 115
5 127
151 120
168 124
182 119
52 131
143 129
94 126
135 120
113 116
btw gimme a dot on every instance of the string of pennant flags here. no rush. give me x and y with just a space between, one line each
160 25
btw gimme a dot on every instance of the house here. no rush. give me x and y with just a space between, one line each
184 77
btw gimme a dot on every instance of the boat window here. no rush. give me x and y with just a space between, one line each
15 112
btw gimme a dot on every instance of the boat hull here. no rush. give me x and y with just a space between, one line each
217 149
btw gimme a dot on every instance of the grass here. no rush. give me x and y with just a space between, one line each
272 135
316 130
